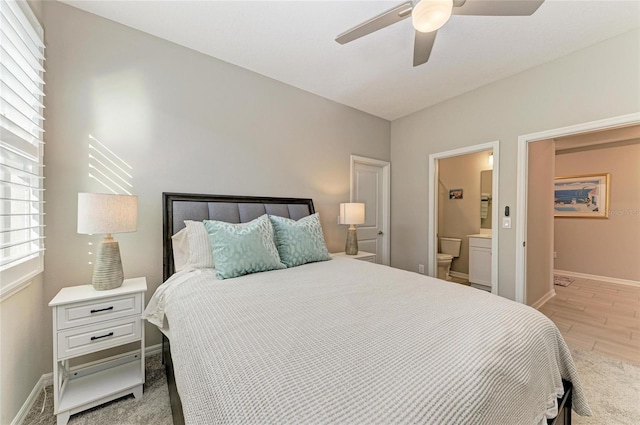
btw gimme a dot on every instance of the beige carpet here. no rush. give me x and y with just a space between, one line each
154 408
612 388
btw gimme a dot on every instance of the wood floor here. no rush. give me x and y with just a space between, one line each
599 316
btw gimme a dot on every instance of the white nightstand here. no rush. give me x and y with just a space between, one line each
361 255
86 321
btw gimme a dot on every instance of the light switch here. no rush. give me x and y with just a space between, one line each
506 222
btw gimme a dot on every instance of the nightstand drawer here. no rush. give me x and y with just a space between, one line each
88 339
90 312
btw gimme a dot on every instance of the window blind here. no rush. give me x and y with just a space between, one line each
21 145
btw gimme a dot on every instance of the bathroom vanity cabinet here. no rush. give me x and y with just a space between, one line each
480 261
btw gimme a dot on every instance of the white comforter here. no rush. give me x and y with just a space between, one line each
352 342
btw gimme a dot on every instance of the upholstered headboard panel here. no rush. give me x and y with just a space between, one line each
178 207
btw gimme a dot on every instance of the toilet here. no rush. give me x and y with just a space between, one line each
449 249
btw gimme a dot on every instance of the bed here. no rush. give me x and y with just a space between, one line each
345 341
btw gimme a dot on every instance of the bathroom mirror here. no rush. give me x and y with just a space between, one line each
486 184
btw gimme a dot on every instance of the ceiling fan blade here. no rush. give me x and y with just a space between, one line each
422 47
383 20
498 7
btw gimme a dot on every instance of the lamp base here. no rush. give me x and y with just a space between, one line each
351 248
107 271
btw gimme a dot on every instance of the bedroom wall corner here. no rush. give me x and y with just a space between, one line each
597 82
23 355
176 120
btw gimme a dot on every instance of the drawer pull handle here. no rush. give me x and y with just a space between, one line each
101 309
93 338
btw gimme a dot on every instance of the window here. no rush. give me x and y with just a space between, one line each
21 146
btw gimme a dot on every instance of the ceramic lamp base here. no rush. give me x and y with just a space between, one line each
107 271
351 247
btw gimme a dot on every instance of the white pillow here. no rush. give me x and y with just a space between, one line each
180 246
200 252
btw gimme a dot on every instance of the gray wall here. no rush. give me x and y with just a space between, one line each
597 82
185 122
22 344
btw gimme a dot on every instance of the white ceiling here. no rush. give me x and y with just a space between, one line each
293 42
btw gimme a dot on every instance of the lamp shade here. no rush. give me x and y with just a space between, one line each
430 15
352 213
100 213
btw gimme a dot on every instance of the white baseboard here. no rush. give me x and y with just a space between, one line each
28 404
546 297
600 278
47 379
154 349
459 275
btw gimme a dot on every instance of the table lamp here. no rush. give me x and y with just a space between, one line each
100 213
352 213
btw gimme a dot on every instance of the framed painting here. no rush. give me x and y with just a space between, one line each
455 193
584 196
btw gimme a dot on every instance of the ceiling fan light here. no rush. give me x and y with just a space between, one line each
430 15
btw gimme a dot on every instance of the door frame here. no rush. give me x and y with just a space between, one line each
386 199
432 248
523 181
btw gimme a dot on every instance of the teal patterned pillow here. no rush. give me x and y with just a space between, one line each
243 248
299 242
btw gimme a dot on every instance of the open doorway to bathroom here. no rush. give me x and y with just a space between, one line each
463 215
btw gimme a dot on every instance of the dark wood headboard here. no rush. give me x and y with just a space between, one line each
178 207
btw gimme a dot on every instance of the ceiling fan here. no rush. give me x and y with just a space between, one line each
430 15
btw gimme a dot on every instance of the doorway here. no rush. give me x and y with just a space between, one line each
371 184
435 206
523 185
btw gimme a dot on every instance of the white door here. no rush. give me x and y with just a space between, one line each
370 184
